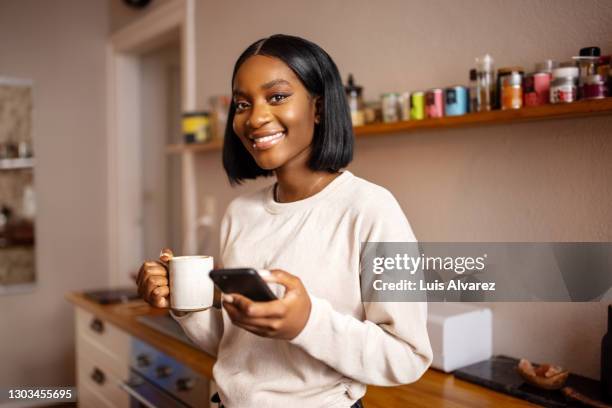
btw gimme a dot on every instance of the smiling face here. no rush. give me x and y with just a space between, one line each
275 114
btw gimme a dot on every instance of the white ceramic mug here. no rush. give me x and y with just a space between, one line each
190 287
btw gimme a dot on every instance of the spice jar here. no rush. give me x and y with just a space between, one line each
587 60
355 101
456 101
564 85
389 107
536 89
587 65
196 127
417 105
372 112
510 87
594 87
434 103
403 105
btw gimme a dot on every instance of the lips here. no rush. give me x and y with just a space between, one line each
264 142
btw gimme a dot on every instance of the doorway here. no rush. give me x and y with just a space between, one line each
161 126
151 80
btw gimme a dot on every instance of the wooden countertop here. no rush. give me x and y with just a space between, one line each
123 315
434 389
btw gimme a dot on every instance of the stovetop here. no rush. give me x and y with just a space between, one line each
167 325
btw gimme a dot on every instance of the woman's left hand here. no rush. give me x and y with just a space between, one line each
280 319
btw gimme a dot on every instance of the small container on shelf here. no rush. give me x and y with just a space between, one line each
434 103
536 86
355 101
564 86
372 112
456 101
417 105
473 90
403 105
587 64
196 127
485 73
9 150
390 112
594 87
24 150
510 87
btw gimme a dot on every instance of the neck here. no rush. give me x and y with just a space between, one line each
296 181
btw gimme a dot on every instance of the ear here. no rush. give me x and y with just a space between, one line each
318 103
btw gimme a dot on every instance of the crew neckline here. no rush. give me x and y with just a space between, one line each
276 208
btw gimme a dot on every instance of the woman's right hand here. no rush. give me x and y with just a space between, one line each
152 280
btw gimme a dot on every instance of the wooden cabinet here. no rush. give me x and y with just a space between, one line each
103 356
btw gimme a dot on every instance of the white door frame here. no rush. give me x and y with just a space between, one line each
171 20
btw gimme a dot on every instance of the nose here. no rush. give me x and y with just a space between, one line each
260 115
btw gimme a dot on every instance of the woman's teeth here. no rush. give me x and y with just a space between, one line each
268 141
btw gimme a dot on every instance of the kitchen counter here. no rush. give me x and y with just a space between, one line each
434 389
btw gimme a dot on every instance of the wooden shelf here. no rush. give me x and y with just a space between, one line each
16 164
535 113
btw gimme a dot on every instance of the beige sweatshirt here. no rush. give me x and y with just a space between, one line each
346 343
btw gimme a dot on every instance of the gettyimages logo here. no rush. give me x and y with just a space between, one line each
412 264
475 272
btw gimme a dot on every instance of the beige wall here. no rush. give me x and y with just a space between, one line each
526 182
60 47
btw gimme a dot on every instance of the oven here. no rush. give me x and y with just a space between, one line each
159 381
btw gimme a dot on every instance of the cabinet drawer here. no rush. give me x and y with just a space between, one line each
92 351
99 381
88 398
106 337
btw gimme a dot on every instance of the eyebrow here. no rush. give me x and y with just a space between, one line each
265 86
270 84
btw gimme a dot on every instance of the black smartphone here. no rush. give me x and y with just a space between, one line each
245 281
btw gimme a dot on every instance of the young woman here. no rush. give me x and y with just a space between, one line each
321 343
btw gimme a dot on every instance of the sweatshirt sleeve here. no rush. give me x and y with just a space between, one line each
391 345
204 328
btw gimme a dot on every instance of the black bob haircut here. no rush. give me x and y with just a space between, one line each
332 144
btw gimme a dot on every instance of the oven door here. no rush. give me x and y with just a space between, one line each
144 394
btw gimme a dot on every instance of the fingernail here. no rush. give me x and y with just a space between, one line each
228 298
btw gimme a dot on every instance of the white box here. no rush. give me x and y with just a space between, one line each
460 334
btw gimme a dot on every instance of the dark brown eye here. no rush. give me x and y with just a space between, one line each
276 98
241 106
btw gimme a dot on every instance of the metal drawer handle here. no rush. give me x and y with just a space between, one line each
98 376
97 325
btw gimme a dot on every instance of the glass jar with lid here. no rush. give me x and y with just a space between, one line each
564 86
